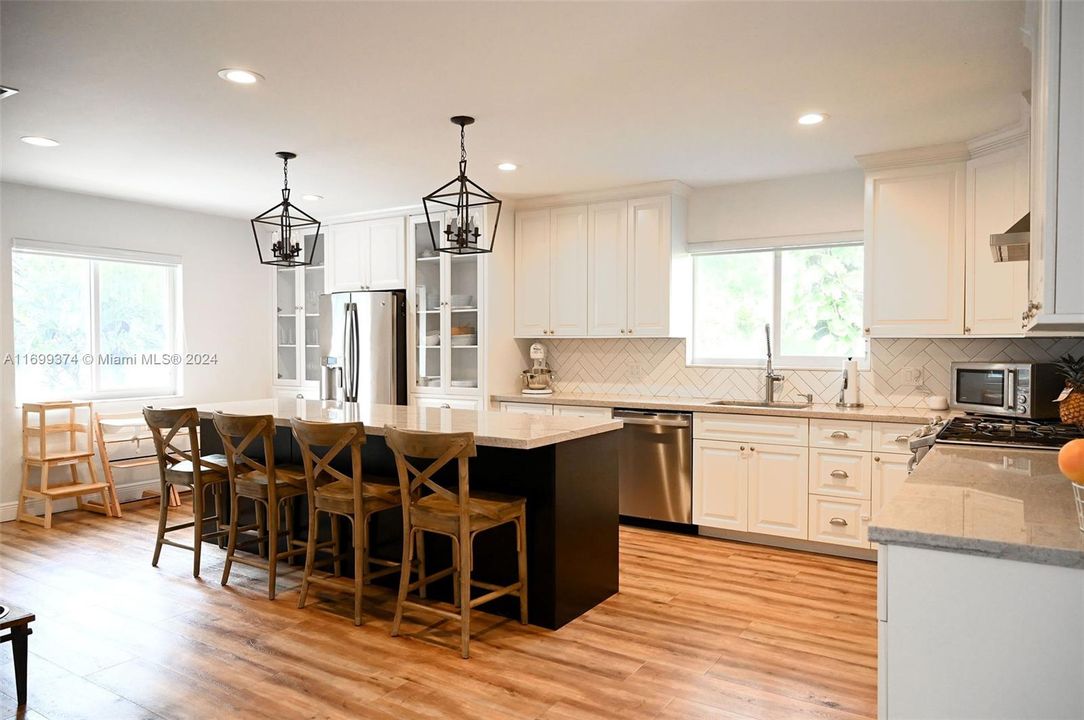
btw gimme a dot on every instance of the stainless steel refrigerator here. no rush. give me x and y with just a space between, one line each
363 347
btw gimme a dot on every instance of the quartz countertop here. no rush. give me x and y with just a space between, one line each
493 429
997 502
829 412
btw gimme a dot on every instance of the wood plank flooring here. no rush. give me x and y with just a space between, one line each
702 629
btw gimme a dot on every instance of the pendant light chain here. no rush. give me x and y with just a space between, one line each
462 150
285 175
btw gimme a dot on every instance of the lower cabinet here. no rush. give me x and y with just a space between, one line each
889 474
429 401
583 411
754 488
778 490
838 521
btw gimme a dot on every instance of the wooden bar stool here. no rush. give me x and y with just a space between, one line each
128 428
458 515
78 449
335 493
270 486
185 467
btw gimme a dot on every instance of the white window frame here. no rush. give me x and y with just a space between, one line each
94 256
779 360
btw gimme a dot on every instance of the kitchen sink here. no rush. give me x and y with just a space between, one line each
761 404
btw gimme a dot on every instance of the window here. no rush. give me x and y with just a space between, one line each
811 297
93 326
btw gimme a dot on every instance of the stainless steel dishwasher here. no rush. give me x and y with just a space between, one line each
655 465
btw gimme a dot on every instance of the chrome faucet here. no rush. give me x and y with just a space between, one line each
770 376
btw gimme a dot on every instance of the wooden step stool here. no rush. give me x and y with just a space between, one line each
78 450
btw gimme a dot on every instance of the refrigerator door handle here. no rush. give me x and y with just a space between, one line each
350 370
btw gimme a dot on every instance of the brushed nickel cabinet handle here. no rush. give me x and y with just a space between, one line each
903 438
839 474
839 435
838 522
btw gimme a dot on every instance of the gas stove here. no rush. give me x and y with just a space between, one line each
1008 432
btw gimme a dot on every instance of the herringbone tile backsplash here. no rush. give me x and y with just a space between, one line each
656 367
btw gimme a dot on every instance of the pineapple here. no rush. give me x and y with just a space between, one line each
1072 407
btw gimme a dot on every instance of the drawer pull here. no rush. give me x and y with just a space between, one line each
839 435
838 521
903 438
839 474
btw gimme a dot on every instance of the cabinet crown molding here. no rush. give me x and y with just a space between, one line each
912 157
998 140
628 192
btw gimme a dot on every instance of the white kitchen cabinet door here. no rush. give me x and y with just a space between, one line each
649 267
915 248
583 411
607 263
838 521
347 256
568 271
997 196
532 280
889 474
720 484
841 473
779 490
386 254
526 408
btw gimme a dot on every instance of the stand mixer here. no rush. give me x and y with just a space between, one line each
538 379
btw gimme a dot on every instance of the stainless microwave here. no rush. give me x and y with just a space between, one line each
1024 390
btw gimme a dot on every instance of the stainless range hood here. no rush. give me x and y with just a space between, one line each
1014 244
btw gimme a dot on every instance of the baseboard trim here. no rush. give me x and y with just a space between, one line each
791 543
126 493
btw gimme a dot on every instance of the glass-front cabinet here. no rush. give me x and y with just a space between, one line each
444 302
297 318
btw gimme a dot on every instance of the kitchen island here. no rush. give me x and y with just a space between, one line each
566 468
980 591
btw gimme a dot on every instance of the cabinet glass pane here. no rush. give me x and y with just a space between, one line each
286 323
463 290
427 302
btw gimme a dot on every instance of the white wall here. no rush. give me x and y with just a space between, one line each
225 299
786 207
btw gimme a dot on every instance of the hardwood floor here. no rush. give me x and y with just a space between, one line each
701 629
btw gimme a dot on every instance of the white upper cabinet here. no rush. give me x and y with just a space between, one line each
568 271
1056 30
607 267
601 270
649 266
915 250
532 281
367 255
997 196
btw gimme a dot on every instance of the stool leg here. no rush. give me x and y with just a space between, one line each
310 554
231 546
163 510
359 527
336 545
464 548
216 490
289 529
48 518
18 650
420 549
21 510
197 526
272 547
521 551
261 538
404 580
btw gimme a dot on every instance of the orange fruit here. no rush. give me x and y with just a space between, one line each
1071 460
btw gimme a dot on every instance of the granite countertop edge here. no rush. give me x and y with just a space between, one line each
869 413
1034 554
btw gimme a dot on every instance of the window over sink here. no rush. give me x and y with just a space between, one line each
93 324
810 295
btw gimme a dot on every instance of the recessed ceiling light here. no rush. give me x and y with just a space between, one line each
37 141
240 76
312 198
507 166
6 91
812 119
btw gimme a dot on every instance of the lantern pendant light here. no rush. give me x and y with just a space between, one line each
462 236
282 228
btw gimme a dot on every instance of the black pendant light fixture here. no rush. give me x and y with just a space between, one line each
279 231
462 235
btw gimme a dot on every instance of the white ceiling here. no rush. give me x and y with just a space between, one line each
580 95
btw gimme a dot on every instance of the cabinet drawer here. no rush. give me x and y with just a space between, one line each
892 437
445 403
840 434
838 521
842 473
583 411
751 428
526 408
